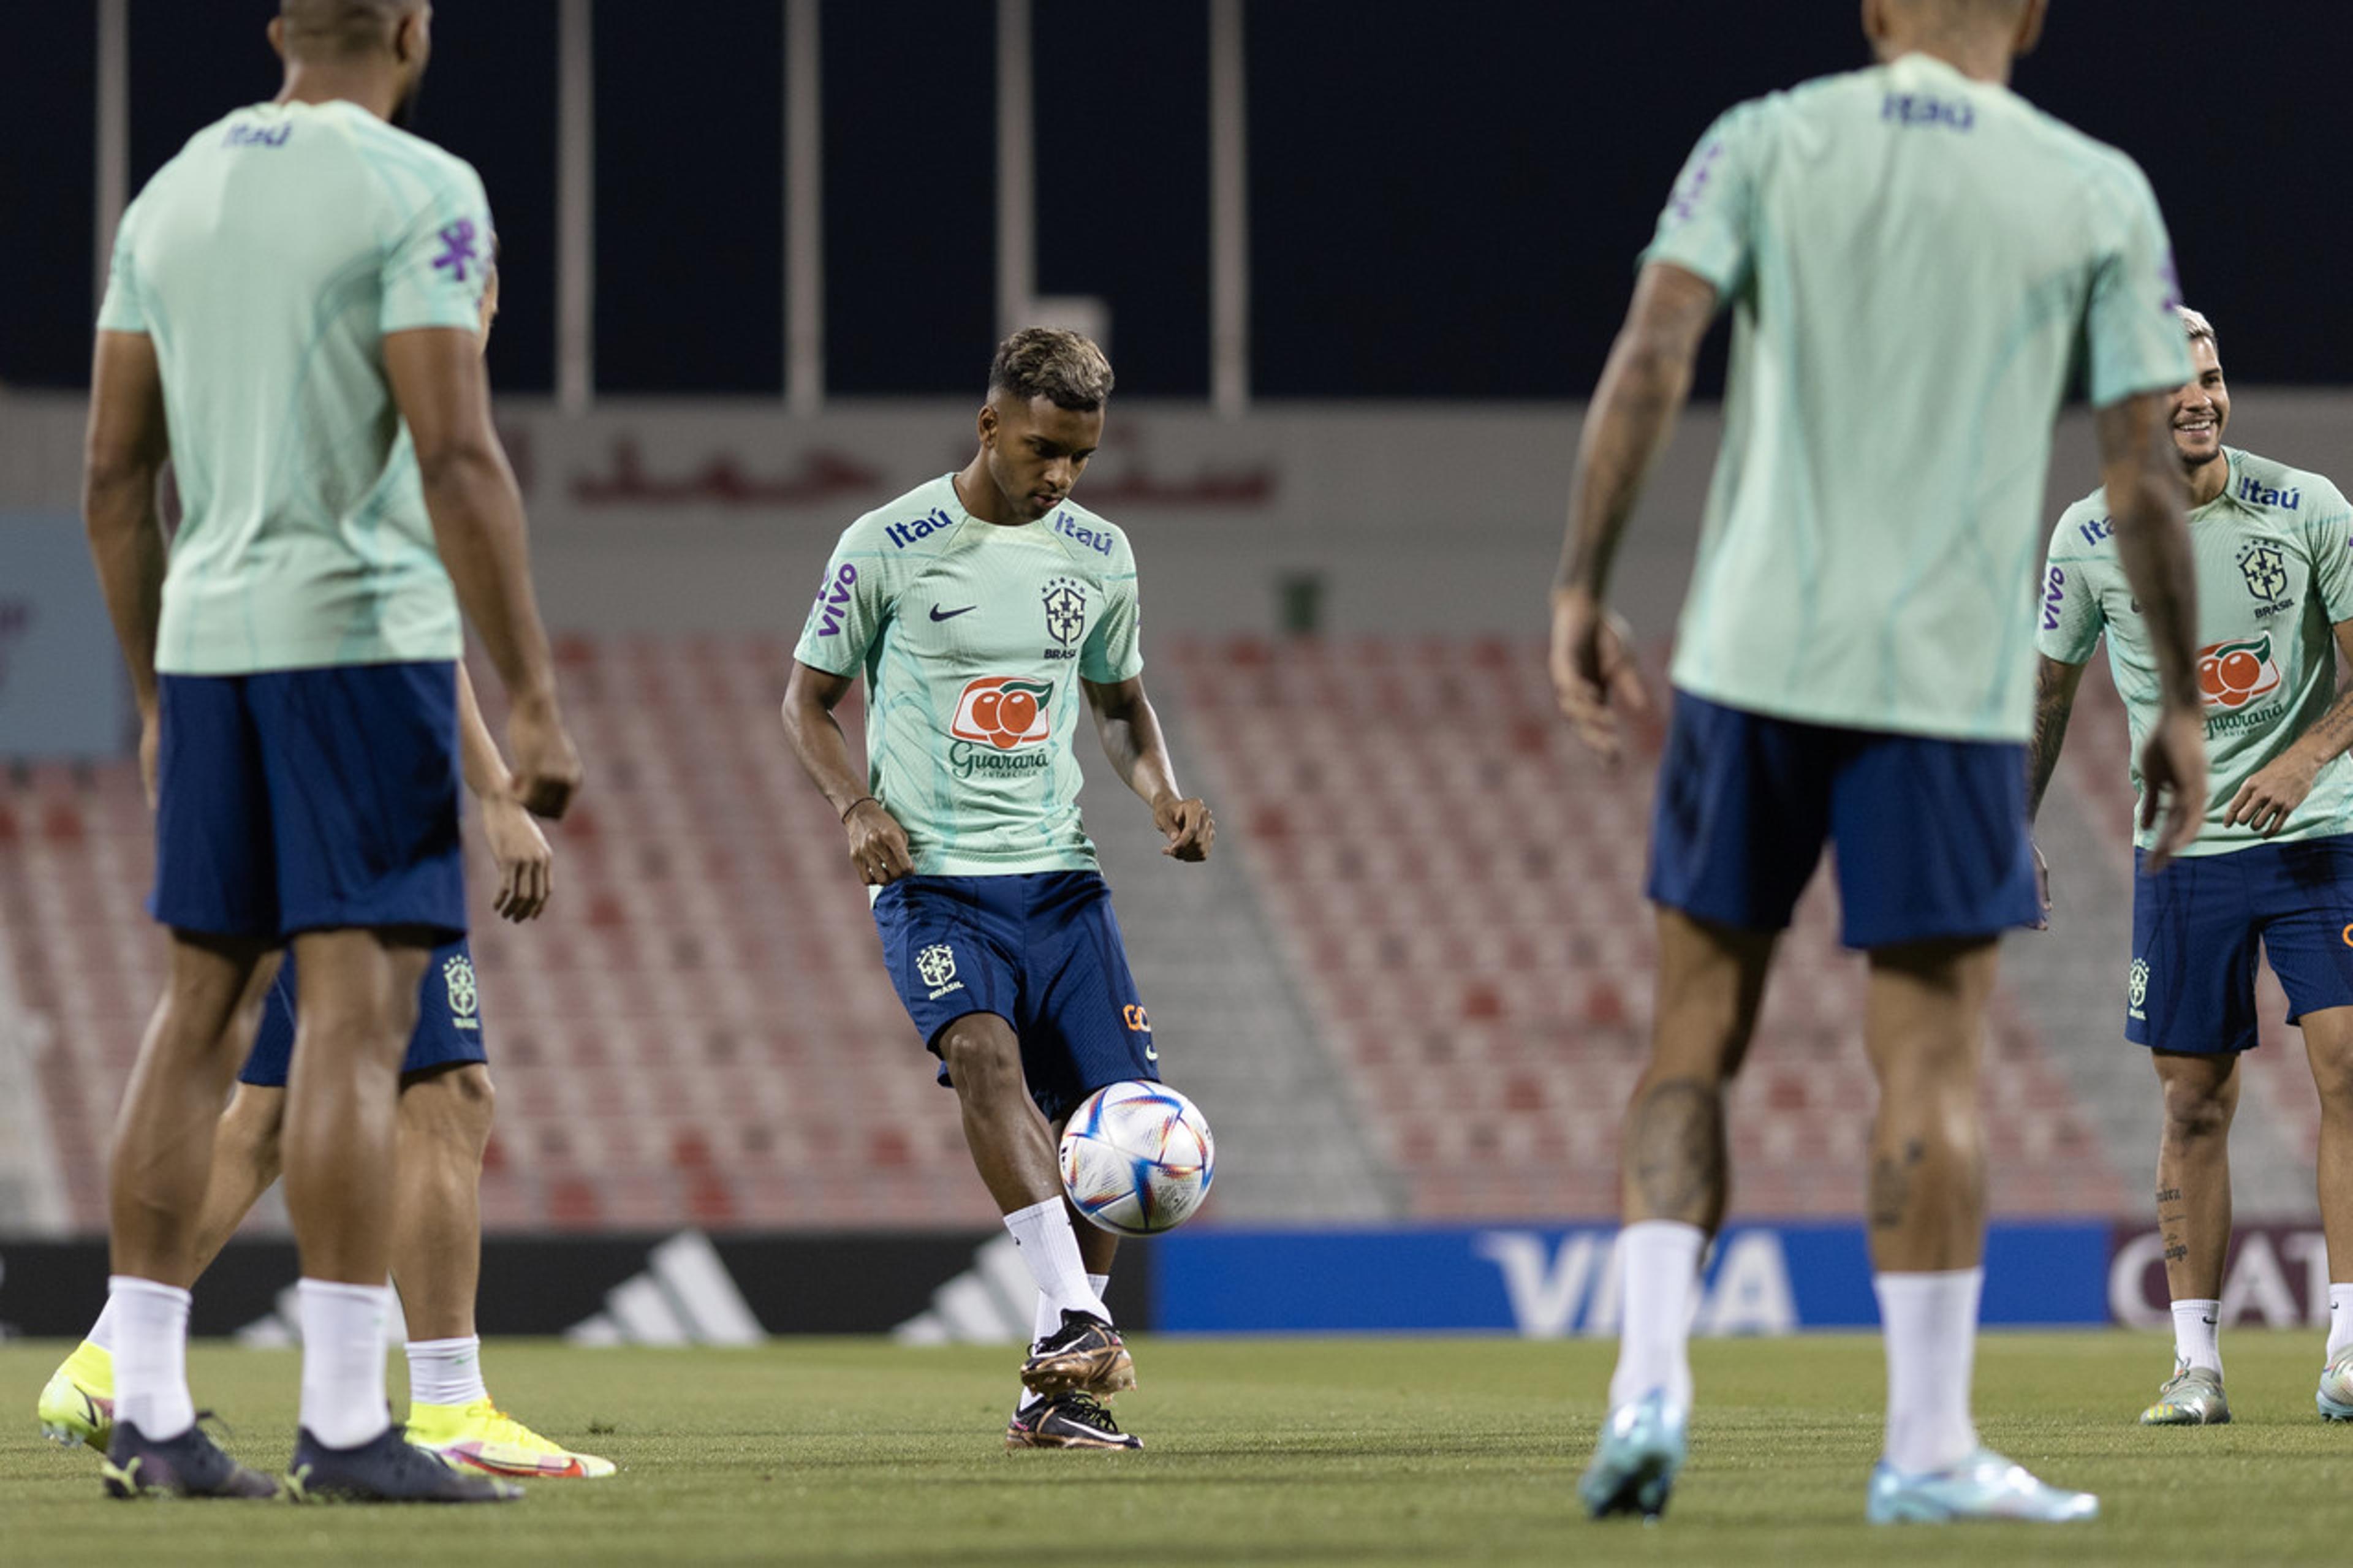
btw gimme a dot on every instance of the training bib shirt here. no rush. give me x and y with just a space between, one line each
2274 554
974 637
1916 261
268 262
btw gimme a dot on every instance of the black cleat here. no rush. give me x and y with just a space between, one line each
1085 1354
387 1470
1068 1421
190 1465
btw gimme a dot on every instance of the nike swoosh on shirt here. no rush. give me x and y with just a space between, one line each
951 614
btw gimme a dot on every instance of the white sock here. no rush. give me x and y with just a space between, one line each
1044 1322
151 1355
2341 1317
342 1362
101 1333
2195 1333
445 1372
1658 1263
1050 1247
1931 1327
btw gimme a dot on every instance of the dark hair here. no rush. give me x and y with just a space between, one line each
1064 367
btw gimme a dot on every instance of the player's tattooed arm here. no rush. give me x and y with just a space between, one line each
1628 425
1133 739
2148 500
2266 801
127 445
2054 700
878 844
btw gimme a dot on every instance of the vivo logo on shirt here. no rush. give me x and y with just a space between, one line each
2287 500
254 136
903 534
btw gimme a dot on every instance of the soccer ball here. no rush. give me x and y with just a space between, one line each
1137 1158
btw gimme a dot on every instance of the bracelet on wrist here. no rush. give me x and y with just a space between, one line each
854 804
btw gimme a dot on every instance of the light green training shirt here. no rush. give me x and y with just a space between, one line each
1916 262
268 262
974 637
2274 553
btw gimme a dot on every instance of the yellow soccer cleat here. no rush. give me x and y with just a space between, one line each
78 1405
481 1437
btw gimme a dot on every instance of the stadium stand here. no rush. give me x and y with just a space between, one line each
1459 888
697 1031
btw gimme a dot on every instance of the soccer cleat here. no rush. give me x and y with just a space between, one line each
482 1437
385 1469
2192 1396
1072 1420
1085 1354
76 1405
1636 1460
2336 1395
190 1465
1983 1485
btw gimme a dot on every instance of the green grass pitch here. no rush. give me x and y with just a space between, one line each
1261 1451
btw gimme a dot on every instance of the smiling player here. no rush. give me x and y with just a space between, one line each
983 609
2273 862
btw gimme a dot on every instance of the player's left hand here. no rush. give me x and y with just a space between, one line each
2265 802
1189 828
526 865
1593 669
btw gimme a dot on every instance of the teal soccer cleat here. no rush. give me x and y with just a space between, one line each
1635 1461
2336 1395
1983 1485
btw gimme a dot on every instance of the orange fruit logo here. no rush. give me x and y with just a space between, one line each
2233 674
1004 712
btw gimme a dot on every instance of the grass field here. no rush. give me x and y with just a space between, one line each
1313 1451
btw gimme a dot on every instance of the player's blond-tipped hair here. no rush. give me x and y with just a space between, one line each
334 28
1064 367
2196 324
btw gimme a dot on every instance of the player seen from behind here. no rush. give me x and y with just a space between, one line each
293 320
1916 259
2273 862
446 1101
984 609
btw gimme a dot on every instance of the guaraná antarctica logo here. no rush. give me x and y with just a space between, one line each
1000 726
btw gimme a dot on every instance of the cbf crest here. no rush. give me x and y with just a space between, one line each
1066 614
2265 566
465 1001
937 967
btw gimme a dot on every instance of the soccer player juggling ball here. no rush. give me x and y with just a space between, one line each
2273 861
1915 258
984 609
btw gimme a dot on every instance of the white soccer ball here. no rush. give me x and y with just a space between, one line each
1137 1158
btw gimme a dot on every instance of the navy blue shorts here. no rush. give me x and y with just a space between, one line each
2191 988
448 1021
1930 835
1042 952
309 800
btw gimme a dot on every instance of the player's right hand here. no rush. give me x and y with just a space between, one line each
878 844
543 770
2173 784
1593 668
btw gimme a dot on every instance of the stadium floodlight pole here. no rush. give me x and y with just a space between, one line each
1017 173
113 132
804 212
576 206
1229 386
